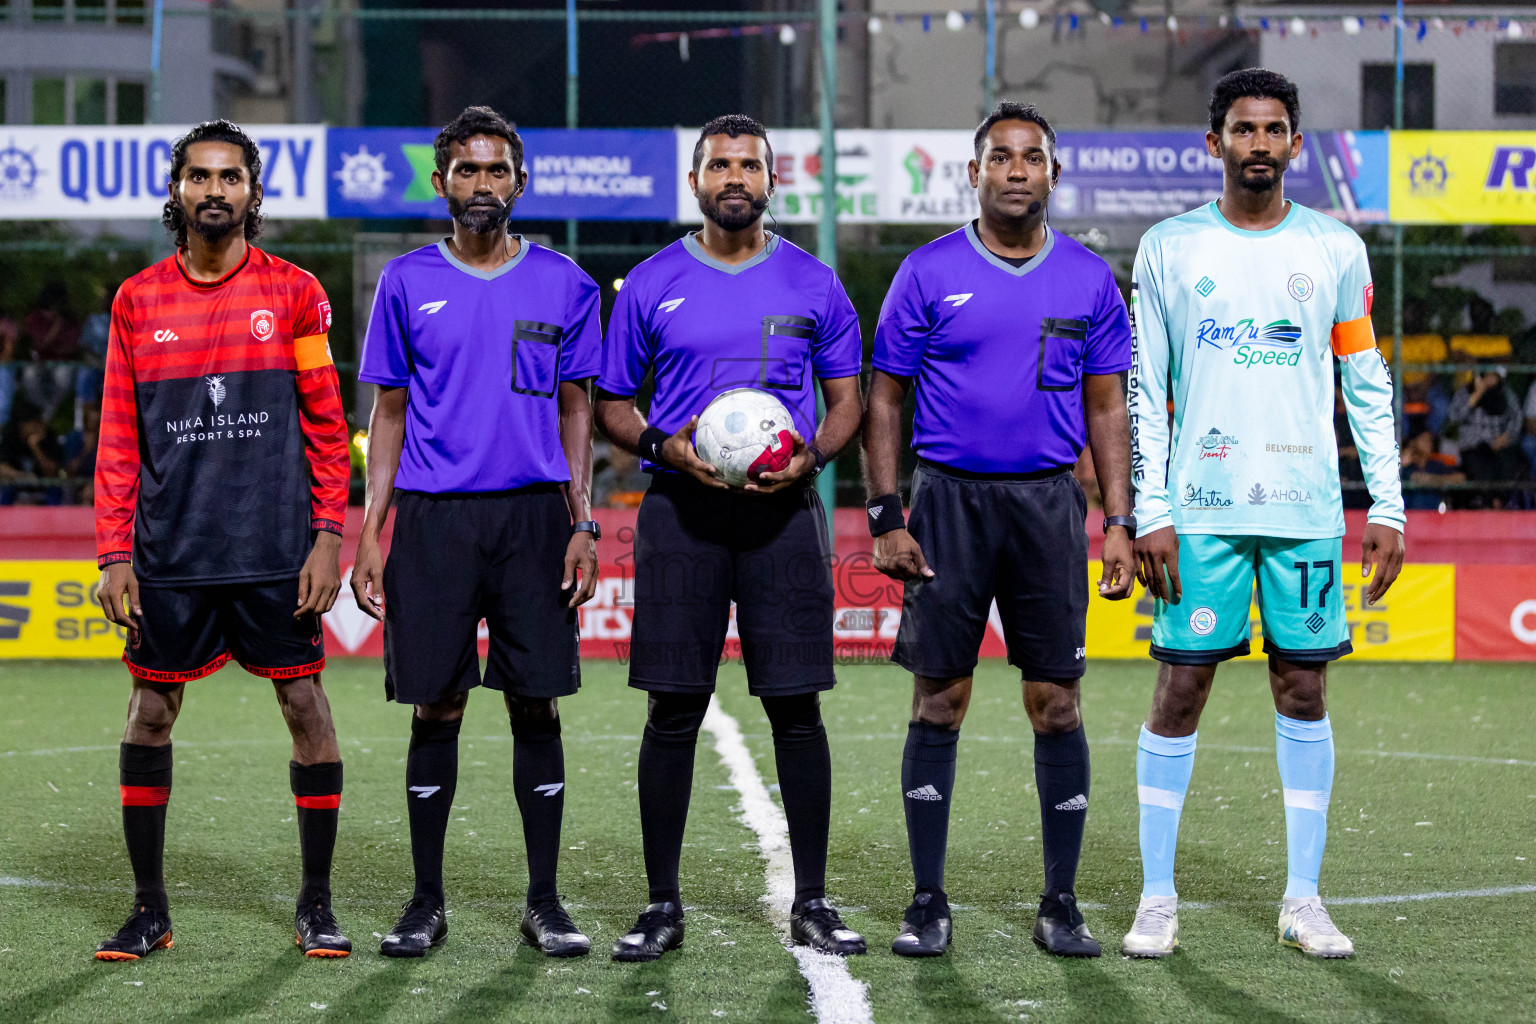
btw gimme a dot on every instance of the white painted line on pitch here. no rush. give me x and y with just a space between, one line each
836 997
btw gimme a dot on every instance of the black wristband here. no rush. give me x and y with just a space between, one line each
821 460
651 440
885 514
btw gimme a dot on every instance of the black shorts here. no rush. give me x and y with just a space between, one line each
1020 541
188 632
458 558
696 550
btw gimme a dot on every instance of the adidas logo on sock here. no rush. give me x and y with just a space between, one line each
924 793
1077 803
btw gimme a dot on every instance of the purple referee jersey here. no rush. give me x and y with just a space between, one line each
999 351
482 354
777 322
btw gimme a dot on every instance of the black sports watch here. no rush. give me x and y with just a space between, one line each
1129 522
588 526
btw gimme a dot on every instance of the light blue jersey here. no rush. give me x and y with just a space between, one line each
1239 329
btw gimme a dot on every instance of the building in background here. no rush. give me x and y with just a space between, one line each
71 62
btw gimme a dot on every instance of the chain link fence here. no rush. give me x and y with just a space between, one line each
1455 304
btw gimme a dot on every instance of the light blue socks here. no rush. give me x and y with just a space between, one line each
1304 751
1163 767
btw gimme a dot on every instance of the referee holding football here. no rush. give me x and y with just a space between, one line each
481 347
1018 341
731 306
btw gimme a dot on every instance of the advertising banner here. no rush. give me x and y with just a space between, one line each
1496 612
48 610
85 172
921 177
1463 177
589 174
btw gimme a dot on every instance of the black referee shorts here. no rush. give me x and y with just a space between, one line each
696 550
458 558
1018 540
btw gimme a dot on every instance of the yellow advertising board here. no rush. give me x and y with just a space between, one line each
1415 622
48 610
1462 177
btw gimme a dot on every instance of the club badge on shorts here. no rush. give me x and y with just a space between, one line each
1202 621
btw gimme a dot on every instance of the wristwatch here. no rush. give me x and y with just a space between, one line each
1129 522
588 526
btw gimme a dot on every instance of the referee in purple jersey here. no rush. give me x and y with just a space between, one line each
482 347
1018 343
728 307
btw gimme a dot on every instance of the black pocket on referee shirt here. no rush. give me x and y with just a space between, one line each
535 358
1061 354
786 350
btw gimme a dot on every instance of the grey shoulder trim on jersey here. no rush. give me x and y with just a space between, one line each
523 245
691 243
1002 264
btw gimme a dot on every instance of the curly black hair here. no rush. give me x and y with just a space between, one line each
174 216
1258 83
735 126
474 121
1008 110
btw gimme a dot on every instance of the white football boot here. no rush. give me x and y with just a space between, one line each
1155 931
1306 925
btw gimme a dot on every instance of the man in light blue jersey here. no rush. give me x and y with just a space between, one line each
1235 307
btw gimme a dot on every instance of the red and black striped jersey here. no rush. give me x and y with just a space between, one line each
223 442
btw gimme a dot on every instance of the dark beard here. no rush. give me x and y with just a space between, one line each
712 208
213 233
480 218
1261 184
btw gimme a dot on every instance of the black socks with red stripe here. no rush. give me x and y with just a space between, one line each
1061 779
317 803
431 777
145 777
538 781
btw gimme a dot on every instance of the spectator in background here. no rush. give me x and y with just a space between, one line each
1424 467
9 331
1487 415
80 453
55 339
94 335
1528 439
29 455
618 481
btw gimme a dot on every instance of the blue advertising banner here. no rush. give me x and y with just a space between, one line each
586 174
1156 174
900 176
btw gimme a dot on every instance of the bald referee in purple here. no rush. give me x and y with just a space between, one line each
1017 341
482 347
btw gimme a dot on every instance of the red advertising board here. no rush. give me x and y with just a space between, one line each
1496 612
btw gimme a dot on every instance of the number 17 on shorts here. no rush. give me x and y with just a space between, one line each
1300 595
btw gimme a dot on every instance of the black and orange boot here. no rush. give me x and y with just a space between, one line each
148 929
316 932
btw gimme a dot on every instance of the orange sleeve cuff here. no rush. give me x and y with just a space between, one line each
313 351
1353 336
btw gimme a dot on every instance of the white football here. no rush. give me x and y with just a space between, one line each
743 433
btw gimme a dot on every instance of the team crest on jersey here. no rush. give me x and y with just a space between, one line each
325 316
1300 287
263 323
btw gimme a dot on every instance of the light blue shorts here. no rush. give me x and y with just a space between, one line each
1300 598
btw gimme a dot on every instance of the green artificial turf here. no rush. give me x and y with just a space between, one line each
1456 816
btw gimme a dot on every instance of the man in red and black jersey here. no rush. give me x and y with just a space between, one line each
221 487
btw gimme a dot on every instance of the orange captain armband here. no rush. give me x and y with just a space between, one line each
315 350
1353 336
